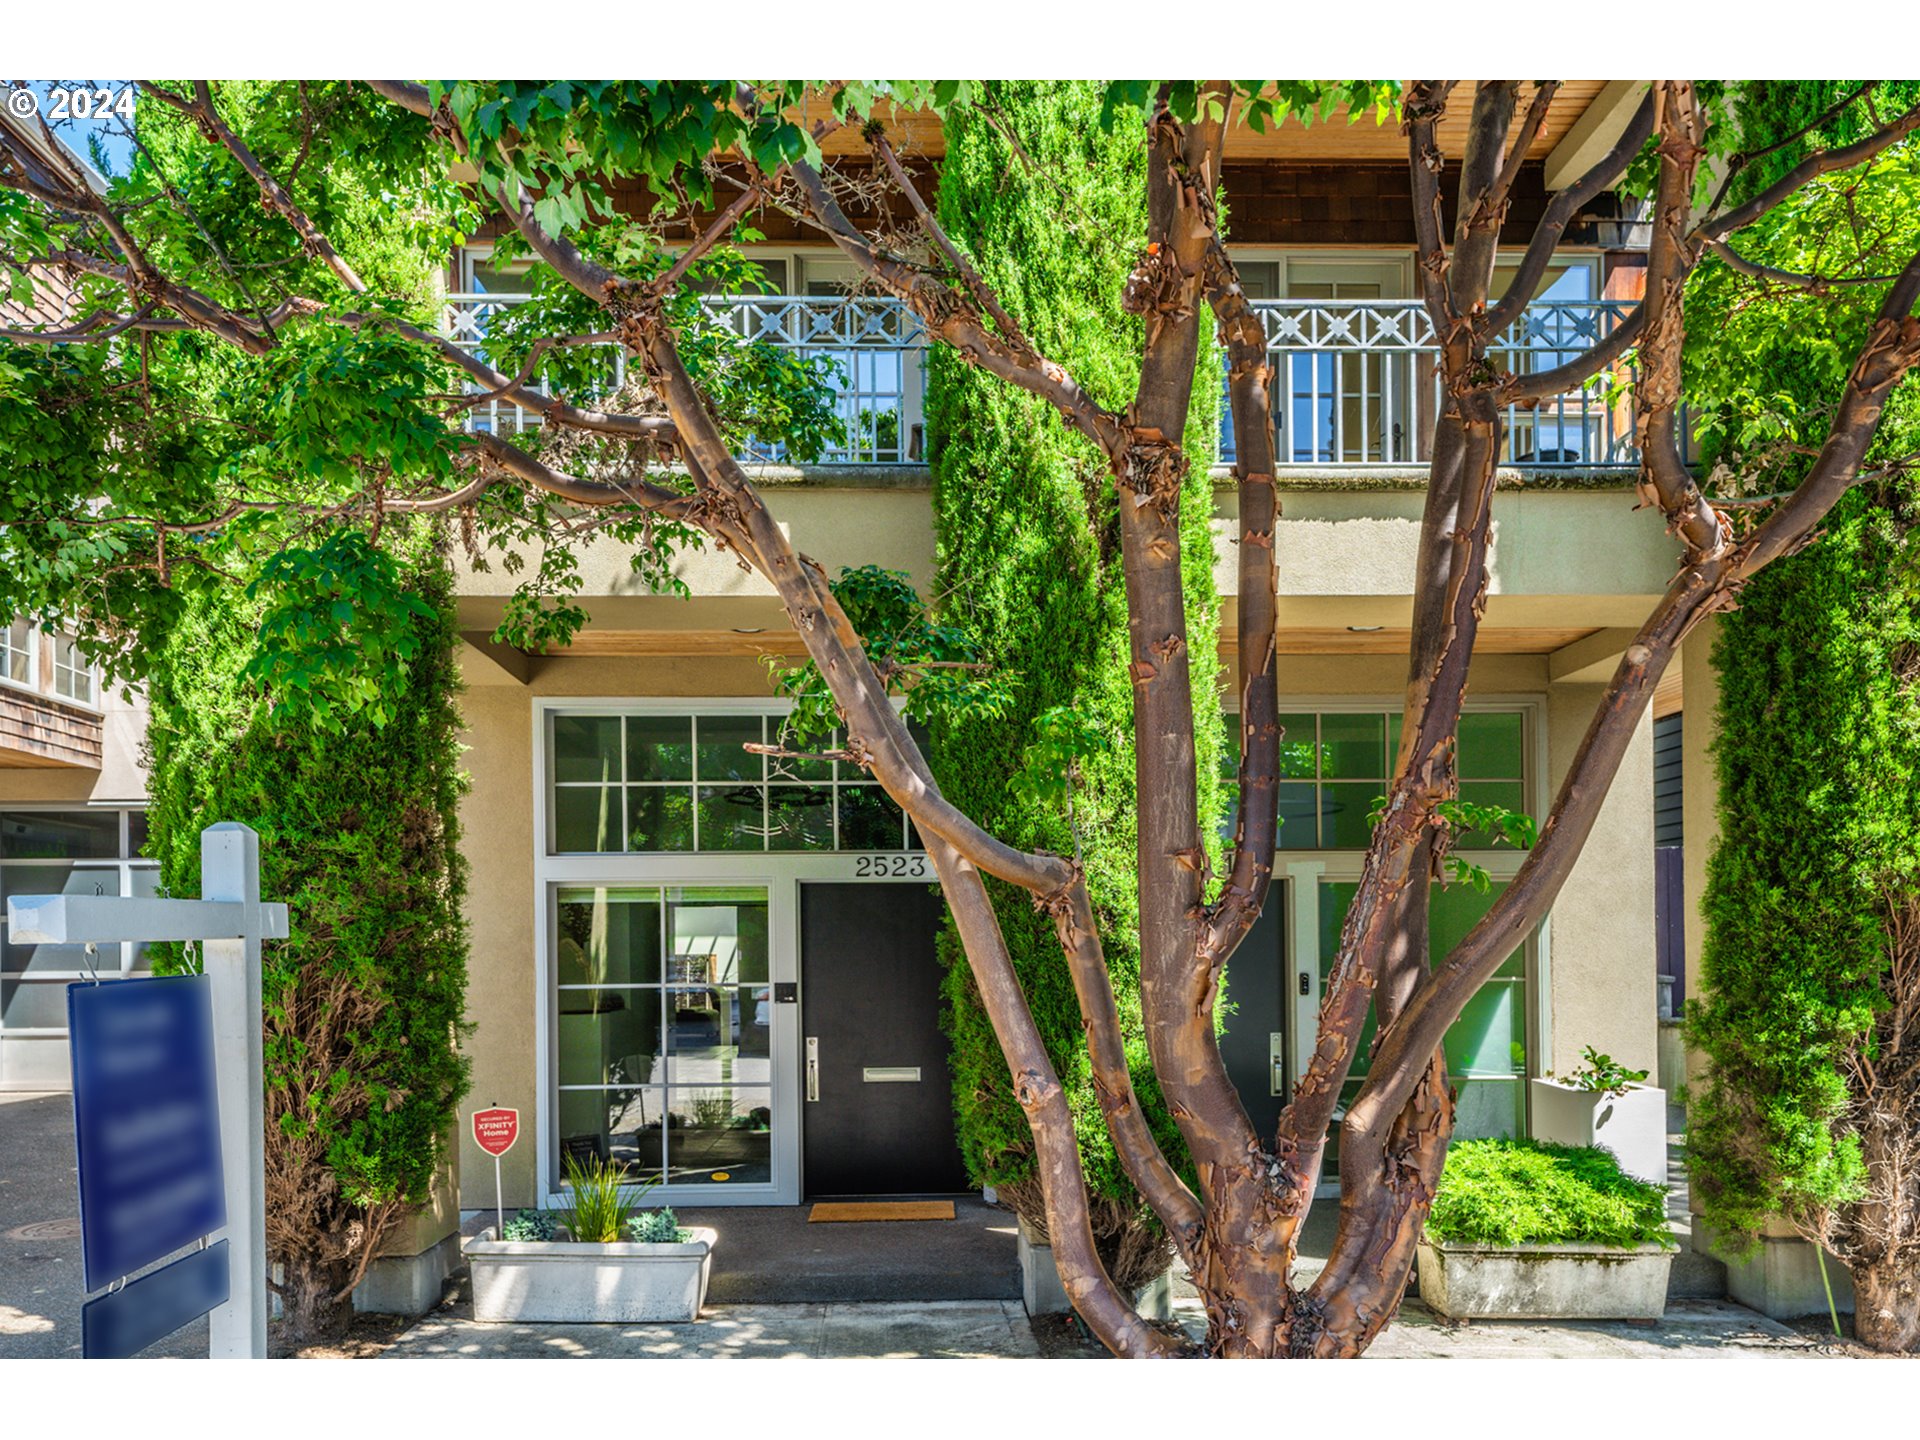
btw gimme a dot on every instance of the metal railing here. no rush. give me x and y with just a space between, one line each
871 351
1356 381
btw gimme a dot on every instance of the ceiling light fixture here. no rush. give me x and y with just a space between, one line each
749 629
1365 629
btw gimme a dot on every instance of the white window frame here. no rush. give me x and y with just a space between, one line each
55 641
780 873
31 681
43 674
122 868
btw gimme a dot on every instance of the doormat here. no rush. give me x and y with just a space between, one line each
831 1210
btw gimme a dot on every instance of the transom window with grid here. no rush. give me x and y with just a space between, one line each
687 782
1334 764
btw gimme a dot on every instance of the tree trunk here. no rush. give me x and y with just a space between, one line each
307 1294
1886 1307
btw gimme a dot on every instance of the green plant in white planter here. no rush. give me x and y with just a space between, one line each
658 1227
1526 1228
615 1266
1604 1102
1601 1074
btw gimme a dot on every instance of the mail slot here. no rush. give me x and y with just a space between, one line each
890 1074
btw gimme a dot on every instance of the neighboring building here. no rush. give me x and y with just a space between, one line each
72 820
719 968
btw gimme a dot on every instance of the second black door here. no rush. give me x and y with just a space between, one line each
878 1107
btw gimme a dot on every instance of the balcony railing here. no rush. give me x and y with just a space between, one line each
1356 381
871 351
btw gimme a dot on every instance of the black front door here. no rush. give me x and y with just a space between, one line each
879 1099
1256 988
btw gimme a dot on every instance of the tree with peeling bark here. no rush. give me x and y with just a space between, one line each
540 155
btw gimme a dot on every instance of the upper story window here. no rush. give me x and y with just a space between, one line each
73 677
18 645
1334 764
648 782
48 662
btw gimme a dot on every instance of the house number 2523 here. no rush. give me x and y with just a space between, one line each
892 867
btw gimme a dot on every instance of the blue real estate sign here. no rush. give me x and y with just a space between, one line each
147 1126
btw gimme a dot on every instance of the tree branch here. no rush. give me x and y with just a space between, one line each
1813 284
976 284
1843 157
1559 214
1522 389
1425 103
1664 479
946 316
204 113
1249 389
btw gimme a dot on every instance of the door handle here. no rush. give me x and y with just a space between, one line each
813 1067
1277 1063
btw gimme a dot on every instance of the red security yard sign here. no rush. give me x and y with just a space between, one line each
494 1131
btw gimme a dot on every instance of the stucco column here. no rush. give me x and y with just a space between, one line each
496 834
1600 983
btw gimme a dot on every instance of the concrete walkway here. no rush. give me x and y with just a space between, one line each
933 1329
40 1294
976 1330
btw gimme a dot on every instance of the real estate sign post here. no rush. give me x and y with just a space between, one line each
230 922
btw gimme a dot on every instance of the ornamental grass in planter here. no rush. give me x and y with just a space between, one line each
608 1264
1530 1229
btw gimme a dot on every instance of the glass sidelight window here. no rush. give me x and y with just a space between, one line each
677 783
1486 1047
662 1019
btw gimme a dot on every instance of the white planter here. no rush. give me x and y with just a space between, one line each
567 1282
1041 1290
1544 1282
1633 1126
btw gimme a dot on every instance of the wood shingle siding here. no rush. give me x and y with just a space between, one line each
37 732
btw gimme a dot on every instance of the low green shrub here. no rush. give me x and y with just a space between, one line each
531 1225
658 1227
1530 1192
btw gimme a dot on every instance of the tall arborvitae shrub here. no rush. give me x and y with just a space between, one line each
1029 561
363 1003
1809 1108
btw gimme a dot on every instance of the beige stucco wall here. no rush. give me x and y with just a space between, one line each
1601 984
1558 556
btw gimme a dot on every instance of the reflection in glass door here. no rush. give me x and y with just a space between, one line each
1346 404
1486 1047
663 1016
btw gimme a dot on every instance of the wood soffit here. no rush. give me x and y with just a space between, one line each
919 133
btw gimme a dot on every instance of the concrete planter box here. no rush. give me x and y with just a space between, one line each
1544 1282
570 1282
1633 1126
1043 1294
